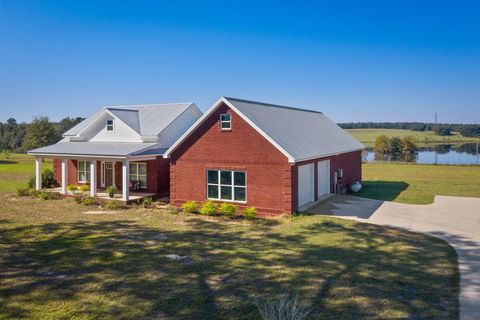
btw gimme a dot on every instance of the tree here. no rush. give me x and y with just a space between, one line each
396 146
382 144
409 145
40 133
66 124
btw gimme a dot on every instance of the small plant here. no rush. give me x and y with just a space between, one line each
190 207
209 208
89 201
111 190
250 213
113 205
24 192
228 209
78 198
31 183
147 202
72 188
173 210
44 195
284 307
84 188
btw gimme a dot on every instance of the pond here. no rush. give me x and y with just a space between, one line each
467 153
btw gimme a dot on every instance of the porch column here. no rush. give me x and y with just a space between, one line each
64 175
93 178
125 180
38 173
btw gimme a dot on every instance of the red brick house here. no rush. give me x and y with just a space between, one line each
121 146
278 159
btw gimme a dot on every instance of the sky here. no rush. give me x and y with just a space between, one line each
353 60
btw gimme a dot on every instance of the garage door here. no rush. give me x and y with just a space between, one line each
305 184
323 178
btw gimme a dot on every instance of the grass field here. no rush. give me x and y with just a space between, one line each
17 170
368 136
58 263
418 184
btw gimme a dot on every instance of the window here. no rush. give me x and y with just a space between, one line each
226 185
225 122
138 172
83 169
110 125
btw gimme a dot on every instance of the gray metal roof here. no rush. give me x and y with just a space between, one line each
114 149
304 134
147 120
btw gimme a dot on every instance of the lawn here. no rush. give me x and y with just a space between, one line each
418 184
368 136
17 170
59 263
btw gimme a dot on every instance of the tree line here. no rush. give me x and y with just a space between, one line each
396 148
21 137
444 129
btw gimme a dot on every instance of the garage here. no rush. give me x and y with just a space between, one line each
323 169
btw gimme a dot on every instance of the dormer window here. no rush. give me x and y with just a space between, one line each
110 125
225 122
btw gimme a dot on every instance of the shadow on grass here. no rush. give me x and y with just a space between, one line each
120 269
382 190
8 162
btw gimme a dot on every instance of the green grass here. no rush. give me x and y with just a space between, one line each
17 170
57 263
368 136
418 184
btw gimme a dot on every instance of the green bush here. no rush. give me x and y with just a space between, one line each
89 201
250 213
31 183
111 190
173 210
84 188
147 202
209 208
190 207
228 209
72 187
24 192
113 205
48 181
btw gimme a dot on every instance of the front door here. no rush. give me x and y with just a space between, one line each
107 174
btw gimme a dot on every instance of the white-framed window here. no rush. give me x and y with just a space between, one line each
138 172
110 125
225 122
83 171
227 185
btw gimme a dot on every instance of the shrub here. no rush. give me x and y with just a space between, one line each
89 201
72 187
228 209
190 207
147 202
113 205
284 307
111 190
209 208
173 210
24 192
44 195
78 198
250 213
84 188
48 181
31 183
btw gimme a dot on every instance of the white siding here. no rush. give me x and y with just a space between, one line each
122 133
305 184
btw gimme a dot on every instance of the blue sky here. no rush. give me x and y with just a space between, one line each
353 60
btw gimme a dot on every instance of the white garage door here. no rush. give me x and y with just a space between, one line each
323 178
305 184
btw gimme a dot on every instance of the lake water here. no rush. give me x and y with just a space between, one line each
466 153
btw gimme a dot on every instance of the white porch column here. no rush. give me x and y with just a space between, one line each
38 173
125 180
93 178
64 176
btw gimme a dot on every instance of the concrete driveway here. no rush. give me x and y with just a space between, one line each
454 219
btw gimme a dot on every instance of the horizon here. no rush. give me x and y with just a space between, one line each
355 62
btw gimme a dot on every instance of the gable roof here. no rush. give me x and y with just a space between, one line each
146 120
298 133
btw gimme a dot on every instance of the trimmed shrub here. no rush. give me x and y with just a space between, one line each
89 201
84 188
209 208
24 192
113 205
48 181
228 209
250 213
190 207
147 202
72 187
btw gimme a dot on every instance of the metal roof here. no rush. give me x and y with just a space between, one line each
300 134
147 120
106 149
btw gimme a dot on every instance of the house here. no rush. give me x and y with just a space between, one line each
121 146
276 158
